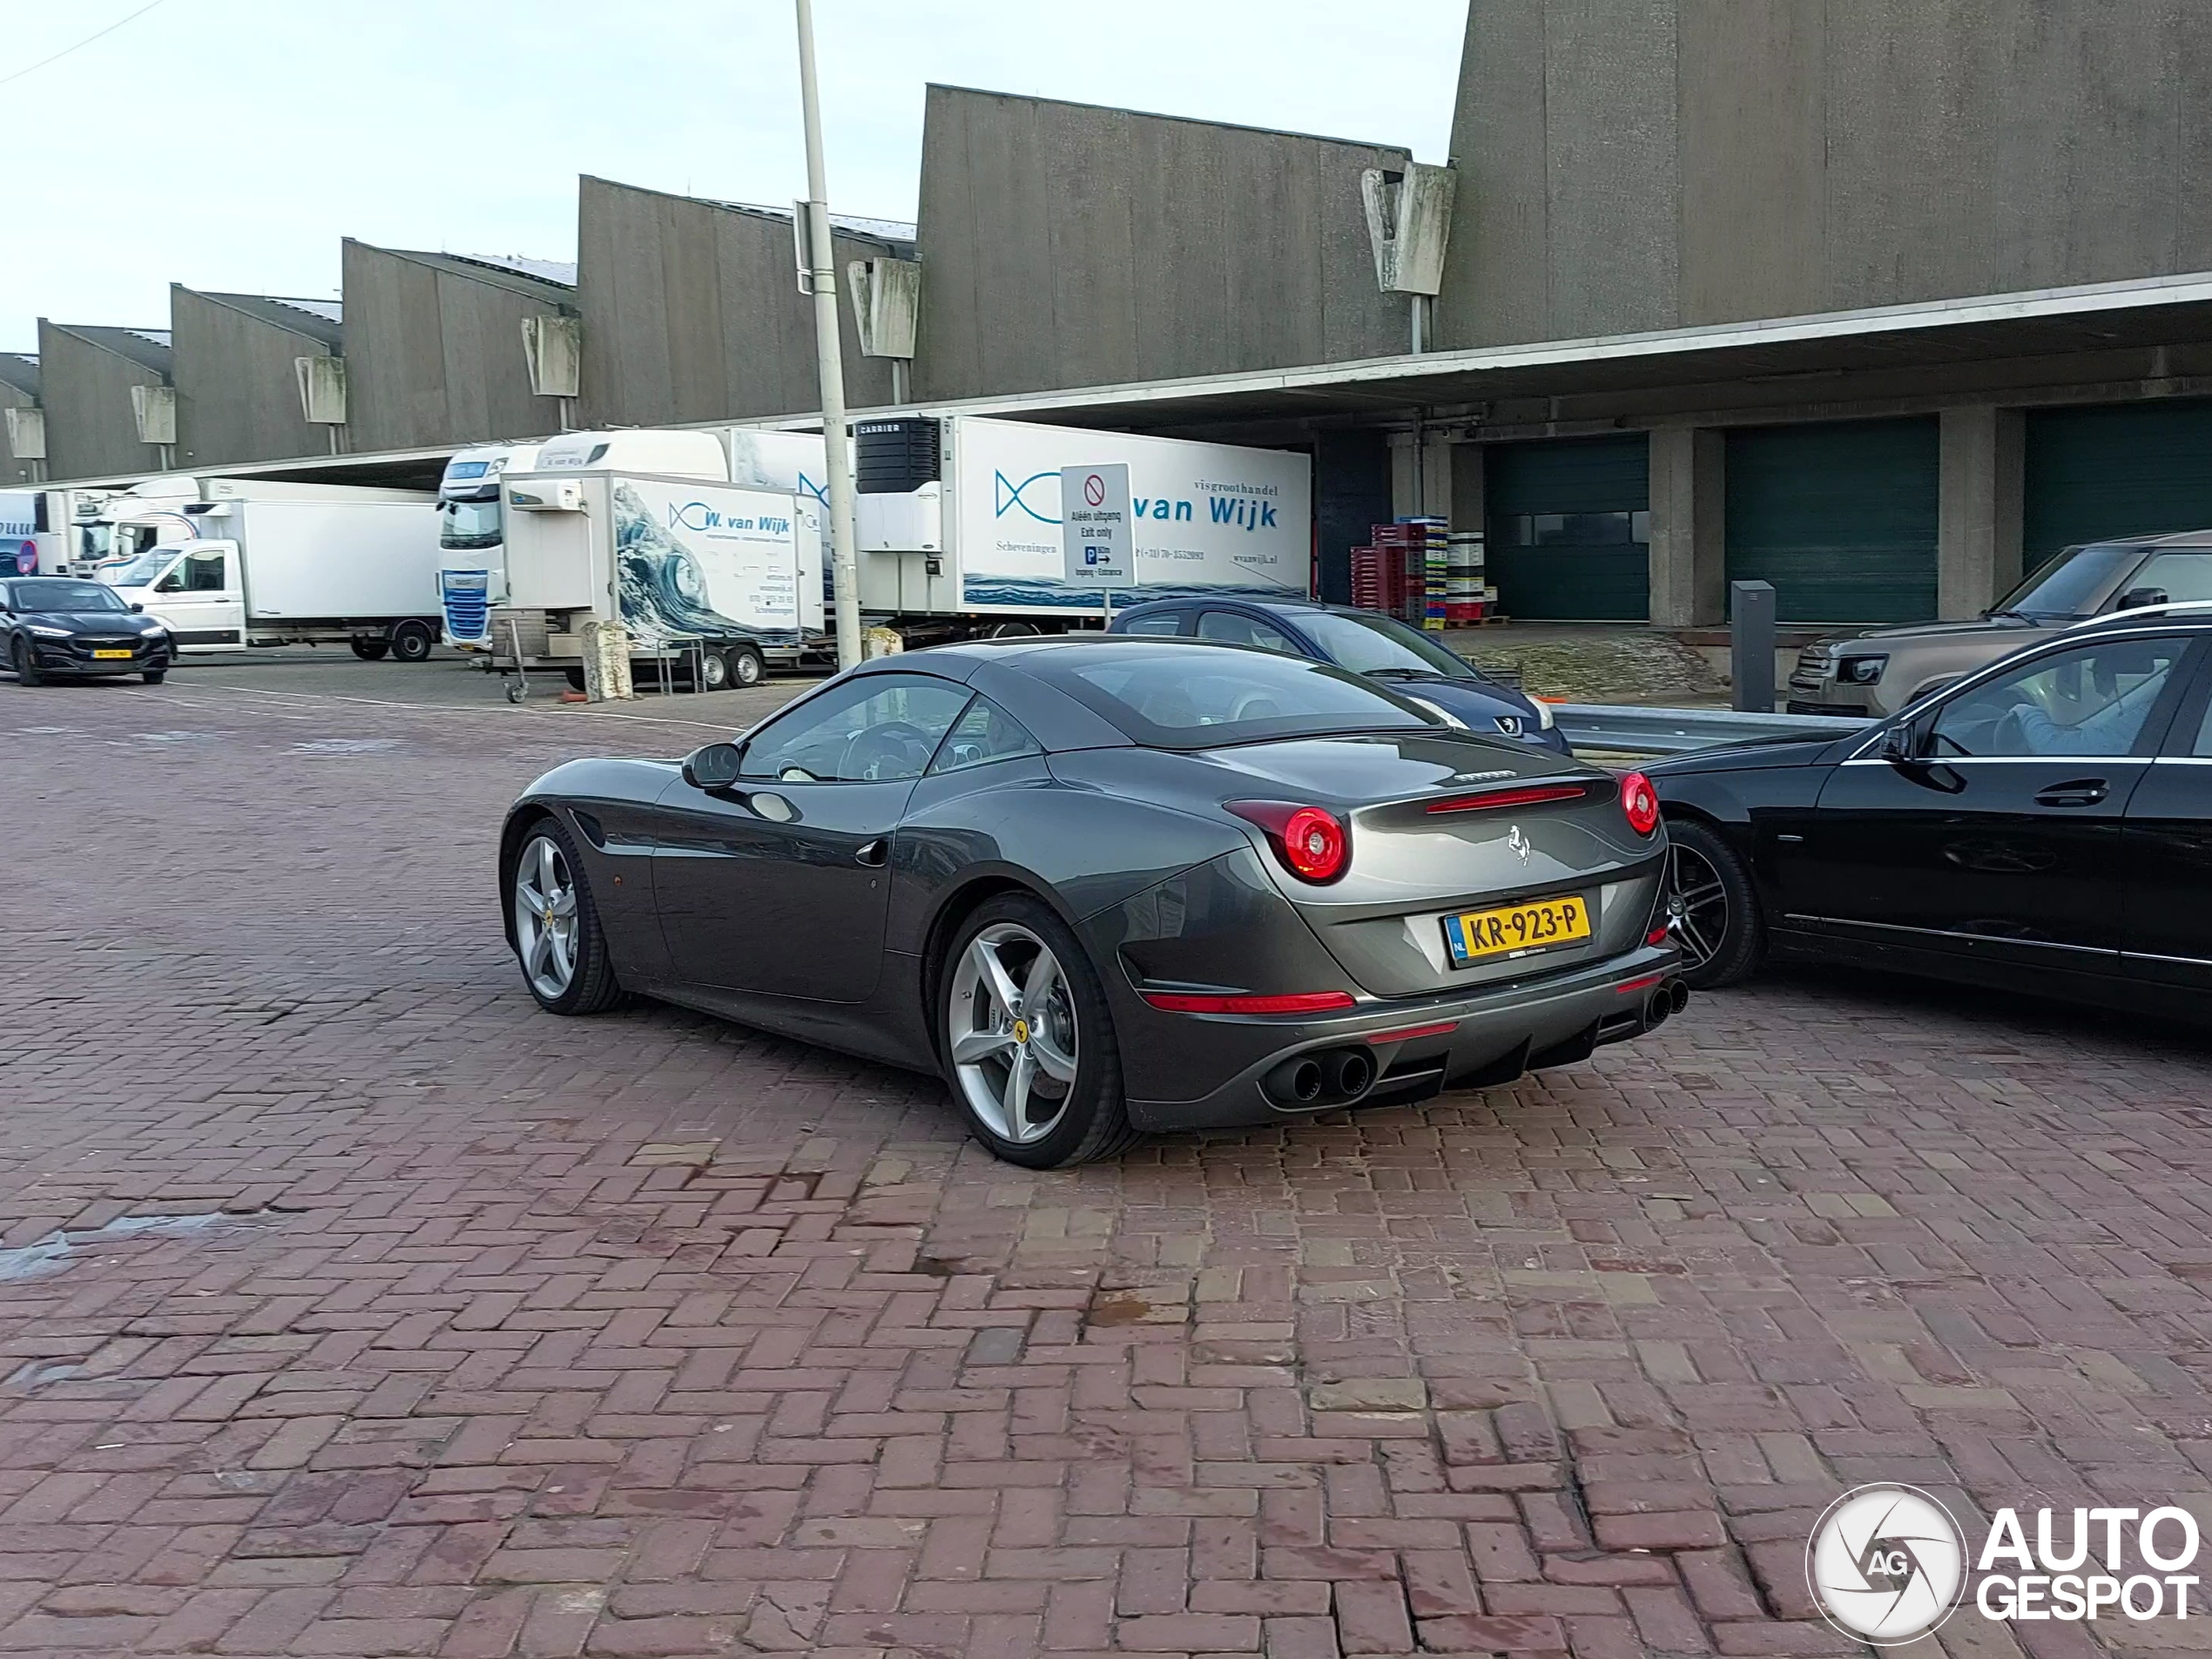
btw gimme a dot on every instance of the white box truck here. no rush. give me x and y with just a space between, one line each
282 564
959 520
639 528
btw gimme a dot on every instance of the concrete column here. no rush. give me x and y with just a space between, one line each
1688 527
1980 485
1420 475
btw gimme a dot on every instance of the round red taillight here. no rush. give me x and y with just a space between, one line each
1313 843
1640 802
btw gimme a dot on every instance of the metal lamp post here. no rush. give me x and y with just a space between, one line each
818 278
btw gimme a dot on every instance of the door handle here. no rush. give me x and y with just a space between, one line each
873 854
2083 791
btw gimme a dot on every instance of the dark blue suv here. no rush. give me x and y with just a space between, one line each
1366 641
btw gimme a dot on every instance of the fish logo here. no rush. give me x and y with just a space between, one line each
1007 495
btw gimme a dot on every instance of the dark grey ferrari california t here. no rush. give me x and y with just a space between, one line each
1105 885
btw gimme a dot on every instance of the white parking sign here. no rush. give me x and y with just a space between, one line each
1095 534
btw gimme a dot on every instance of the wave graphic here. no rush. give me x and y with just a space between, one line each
663 589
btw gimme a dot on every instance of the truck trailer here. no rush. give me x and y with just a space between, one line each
959 522
640 529
269 564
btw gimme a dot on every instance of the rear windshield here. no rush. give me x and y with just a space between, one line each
1203 697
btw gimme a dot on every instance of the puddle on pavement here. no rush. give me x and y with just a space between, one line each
58 1249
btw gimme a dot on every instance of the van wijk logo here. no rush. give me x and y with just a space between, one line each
697 515
1885 1564
1245 512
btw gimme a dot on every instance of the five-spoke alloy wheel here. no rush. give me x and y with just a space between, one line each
557 937
1015 1041
1028 1044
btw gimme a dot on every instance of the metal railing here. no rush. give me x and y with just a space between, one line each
1623 728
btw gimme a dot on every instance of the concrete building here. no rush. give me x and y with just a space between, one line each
18 390
1633 166
86 377
1882 301
434 346
1066 244
232 360
691 310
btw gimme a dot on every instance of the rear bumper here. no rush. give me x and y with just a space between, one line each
1494 1034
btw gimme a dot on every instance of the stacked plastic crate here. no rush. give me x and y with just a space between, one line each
1432 577
1465 604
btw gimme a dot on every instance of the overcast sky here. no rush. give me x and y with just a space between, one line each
229 144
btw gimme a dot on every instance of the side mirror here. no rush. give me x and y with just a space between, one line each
138 610
2136 598
714 767
1899 743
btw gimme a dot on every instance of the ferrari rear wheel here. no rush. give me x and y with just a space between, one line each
558 941
1712 908
1029 1045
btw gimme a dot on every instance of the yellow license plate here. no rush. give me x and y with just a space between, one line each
1515 928
105 655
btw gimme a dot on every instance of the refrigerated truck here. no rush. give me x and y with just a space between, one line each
958 519
698 571
286 564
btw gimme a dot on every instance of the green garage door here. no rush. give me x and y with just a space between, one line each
2126 470
1570 529
1840 517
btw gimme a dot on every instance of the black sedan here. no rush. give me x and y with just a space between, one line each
1108 885
2044 826
60 627
1366 641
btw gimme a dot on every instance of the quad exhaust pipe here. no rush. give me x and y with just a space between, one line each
1668 1000
1332 1078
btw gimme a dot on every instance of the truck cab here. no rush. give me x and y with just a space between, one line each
197 588
472 539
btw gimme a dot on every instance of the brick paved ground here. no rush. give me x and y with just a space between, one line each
355 1307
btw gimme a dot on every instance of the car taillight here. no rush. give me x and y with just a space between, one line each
1311 842
1640 802
1290 1002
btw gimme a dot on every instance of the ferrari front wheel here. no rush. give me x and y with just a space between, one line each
558 939
1028 1043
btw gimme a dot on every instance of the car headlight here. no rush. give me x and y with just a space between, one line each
1441 713
1545 719
45 632
1860 671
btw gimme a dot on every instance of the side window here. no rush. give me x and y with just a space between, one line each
1163 622
986 732
2181 576
202 572
880 728
2093 701
1227 625
2202 746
